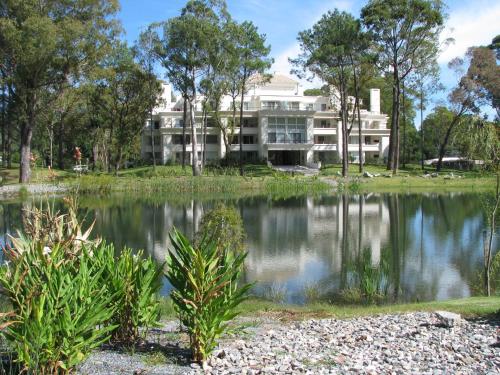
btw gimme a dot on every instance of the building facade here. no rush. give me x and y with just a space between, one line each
280 125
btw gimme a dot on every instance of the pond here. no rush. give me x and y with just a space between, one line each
337 248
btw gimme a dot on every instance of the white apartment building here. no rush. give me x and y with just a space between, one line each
280 124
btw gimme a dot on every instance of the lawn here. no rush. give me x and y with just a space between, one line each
467 307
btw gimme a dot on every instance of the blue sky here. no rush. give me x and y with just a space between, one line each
469 22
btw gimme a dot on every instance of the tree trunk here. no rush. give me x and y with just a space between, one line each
345 135
422 134
151 125
184 119
60 145
242 172
26 135
25 167
8 145
489 248
4 125
194 141
204 140
404 126
394 135
442 147
356 93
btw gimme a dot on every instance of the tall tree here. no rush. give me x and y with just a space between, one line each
407 35
123 95
45 44
485 71
144 51
464 99
327 51
184 50
252 54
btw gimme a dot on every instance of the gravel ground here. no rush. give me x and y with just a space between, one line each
12 190
387 344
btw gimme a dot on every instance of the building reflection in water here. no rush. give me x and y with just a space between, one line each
423 246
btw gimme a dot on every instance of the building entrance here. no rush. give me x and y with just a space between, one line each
285 157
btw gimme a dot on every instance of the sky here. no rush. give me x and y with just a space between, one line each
469 22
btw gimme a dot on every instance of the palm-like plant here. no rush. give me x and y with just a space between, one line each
206 292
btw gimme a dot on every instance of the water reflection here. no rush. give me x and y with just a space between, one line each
397 247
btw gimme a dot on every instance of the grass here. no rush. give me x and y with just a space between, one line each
411 178
467 307
258 179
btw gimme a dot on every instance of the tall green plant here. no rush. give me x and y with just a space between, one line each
135 282
206 292
58 306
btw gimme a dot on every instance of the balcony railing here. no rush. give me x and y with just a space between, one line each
287 141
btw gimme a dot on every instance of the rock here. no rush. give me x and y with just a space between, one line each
448 319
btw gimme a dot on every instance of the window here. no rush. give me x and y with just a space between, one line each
287 130
309 107
211 123
235 140
324 124
320 140
177 139
179 123
211 139
295 106
270 105
250 122
157 124
246 106
249 140
323 107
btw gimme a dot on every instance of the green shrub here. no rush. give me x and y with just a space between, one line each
225 225
58 307
135 282
206 292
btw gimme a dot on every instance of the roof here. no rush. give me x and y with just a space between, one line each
277 79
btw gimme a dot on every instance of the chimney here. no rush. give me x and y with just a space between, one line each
375 100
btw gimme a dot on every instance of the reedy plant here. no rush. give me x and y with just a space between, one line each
46 226
206 292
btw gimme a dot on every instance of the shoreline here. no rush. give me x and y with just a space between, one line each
248 186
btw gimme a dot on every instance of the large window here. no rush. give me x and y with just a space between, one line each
286 130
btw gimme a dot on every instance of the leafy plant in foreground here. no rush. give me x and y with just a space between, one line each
206 291
58 306
134 282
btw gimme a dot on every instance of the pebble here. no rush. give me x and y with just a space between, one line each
383 344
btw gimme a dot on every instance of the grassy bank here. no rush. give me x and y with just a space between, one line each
411 178
467 307
258 179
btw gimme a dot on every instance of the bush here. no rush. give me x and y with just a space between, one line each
206 292
58 306
224 224
135 283
69 294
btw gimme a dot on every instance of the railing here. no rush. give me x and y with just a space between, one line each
287 141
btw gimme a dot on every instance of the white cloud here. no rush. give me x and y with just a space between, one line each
471 26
